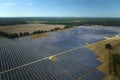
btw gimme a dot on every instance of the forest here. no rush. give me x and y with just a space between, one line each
69 21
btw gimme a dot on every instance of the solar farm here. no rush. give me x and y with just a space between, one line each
59 56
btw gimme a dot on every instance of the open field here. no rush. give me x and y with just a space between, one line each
28 28
99 49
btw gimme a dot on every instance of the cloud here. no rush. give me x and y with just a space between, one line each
29 4
9 4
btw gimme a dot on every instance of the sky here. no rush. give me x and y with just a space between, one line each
59 8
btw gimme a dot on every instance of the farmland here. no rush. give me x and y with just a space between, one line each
10 29
13 31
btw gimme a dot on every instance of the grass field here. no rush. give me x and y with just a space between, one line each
28 28
99 49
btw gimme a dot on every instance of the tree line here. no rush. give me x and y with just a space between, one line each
15 35
114 61
64 21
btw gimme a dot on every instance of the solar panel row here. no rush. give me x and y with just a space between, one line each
68 66
47 70
93 75
15 55
44 70
77 64
19 53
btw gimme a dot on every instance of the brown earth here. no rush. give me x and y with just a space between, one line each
99 49
28 28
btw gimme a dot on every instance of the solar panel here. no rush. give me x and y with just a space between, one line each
93 75
13 56
44 70
77 62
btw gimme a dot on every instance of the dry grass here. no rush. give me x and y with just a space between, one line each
38 35
99 49
28 28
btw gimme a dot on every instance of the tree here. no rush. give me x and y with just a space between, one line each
108 46
116 62
21 34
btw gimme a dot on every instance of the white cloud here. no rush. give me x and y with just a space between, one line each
29 4
9 4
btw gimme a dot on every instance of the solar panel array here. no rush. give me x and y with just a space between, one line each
69 66
27 59
93 75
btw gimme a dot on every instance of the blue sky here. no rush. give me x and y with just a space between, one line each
59 8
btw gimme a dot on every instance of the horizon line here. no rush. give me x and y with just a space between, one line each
52 17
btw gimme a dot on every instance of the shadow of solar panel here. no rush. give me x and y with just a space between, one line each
94 75
44 70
